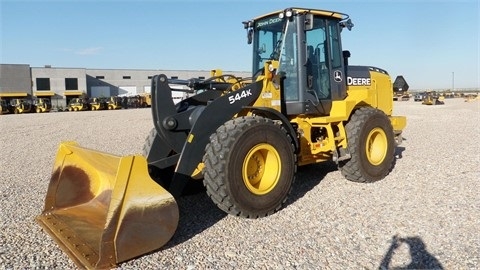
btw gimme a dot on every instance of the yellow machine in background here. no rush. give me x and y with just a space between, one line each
431 98
42 105
145 100
97 104
472 97
3 106
18 106
114 103
246 136
77 104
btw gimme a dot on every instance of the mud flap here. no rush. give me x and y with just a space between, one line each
103 209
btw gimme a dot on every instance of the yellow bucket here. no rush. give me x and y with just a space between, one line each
104 209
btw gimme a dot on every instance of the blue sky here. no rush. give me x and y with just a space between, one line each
431 43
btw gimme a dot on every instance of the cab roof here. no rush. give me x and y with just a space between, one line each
321 12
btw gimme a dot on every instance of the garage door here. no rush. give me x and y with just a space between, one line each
100 91
127 90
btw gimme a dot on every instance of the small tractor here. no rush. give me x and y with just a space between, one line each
19 105
243 137
145 100
114 103
433 98
77 104
97 104
42 105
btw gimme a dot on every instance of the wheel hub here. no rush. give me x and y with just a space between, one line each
261 169
376 146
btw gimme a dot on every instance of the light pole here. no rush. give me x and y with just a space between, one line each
453 81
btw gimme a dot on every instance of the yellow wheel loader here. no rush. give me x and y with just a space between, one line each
245 137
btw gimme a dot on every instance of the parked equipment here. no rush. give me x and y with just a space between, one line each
433 99
303 105
3 106
77 104
97 104
114 103
145 100
400 89
18 105
42 105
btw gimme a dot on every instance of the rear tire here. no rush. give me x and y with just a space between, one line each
371 145
250 167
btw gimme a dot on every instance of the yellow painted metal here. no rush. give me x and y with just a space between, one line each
44 93
398 122
73 93
14 94
104 209
197 174
376 146
261 169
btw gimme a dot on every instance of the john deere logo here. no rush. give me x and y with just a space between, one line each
337 75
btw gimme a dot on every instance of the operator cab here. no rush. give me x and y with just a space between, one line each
307 45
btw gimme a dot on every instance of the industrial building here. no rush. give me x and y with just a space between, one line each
60 84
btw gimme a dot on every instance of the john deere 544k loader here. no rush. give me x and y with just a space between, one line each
303 105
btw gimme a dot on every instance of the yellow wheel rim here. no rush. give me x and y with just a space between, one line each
376 146
261 169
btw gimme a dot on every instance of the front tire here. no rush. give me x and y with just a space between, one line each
249 167
371 145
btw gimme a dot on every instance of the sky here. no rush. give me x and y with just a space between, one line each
432 44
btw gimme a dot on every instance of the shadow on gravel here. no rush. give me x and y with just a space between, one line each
399 152
420 258
308 177
198 212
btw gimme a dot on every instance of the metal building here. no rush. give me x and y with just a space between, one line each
60 85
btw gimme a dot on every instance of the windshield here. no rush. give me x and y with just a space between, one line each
267 40
276 39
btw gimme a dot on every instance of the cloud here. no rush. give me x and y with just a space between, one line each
89 51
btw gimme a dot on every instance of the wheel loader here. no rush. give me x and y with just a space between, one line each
244 138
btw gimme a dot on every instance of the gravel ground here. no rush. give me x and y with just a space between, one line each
424 214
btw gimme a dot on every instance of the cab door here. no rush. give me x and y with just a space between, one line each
338 79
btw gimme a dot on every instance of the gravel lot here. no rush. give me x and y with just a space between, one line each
424 214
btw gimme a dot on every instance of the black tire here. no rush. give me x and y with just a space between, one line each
234 173
164 176
371 145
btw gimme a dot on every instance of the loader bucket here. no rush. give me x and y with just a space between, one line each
103 209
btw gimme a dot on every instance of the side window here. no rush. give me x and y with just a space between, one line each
336 57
